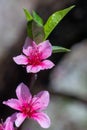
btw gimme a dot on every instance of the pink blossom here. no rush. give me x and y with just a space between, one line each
8 124
34 56
30 107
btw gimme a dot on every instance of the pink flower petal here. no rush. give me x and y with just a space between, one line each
42 119
28 46
41 100
13 103
9 124
45 49
47 64
21 60
23 93
28 42
20 119
33 69
13 117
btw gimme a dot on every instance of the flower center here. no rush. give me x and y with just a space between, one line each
27 110
34 58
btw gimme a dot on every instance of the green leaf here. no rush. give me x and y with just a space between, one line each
37 19
35 28
29 29
37 32
54 19
28 15
57 49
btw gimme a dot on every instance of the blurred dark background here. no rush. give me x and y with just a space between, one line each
67 81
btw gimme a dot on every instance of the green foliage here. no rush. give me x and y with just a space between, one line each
37 19
35 29
53 20
29 29
57 49
39 32
28 15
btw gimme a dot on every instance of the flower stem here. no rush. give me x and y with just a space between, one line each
33 79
